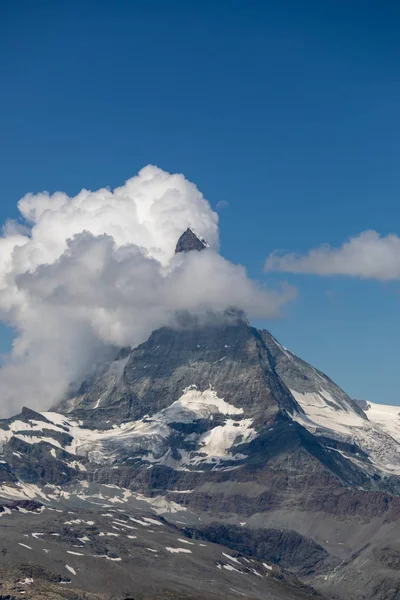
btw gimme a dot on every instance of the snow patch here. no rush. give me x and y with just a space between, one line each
26 581
70 569
231 568
153 521
232 558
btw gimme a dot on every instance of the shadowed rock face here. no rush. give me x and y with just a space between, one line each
284 547
189 241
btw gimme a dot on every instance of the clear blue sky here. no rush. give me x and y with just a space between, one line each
288 110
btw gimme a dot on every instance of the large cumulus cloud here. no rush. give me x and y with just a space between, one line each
83 274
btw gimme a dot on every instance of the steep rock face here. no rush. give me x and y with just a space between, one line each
232 359
190 241
302 378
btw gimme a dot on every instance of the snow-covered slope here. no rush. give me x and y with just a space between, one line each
370 440
204 427
374 437
198 430
386 417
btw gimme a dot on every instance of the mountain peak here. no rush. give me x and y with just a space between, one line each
190 241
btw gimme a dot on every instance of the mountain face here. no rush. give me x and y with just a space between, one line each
208 462
190 241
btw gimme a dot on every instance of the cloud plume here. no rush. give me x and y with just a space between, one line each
80 275
367 255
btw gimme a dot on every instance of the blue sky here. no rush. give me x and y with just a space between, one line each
286 110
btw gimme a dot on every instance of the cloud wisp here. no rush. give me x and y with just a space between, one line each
84 274
367 255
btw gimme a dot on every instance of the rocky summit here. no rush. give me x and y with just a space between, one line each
190 241
208 462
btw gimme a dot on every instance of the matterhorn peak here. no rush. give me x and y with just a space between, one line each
189 240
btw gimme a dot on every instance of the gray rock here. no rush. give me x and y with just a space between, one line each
190 241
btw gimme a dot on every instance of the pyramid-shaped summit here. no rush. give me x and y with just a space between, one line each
190 241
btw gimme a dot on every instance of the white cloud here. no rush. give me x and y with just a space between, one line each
367 255
99 270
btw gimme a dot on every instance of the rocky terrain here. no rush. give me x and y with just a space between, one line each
209 461
101 542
